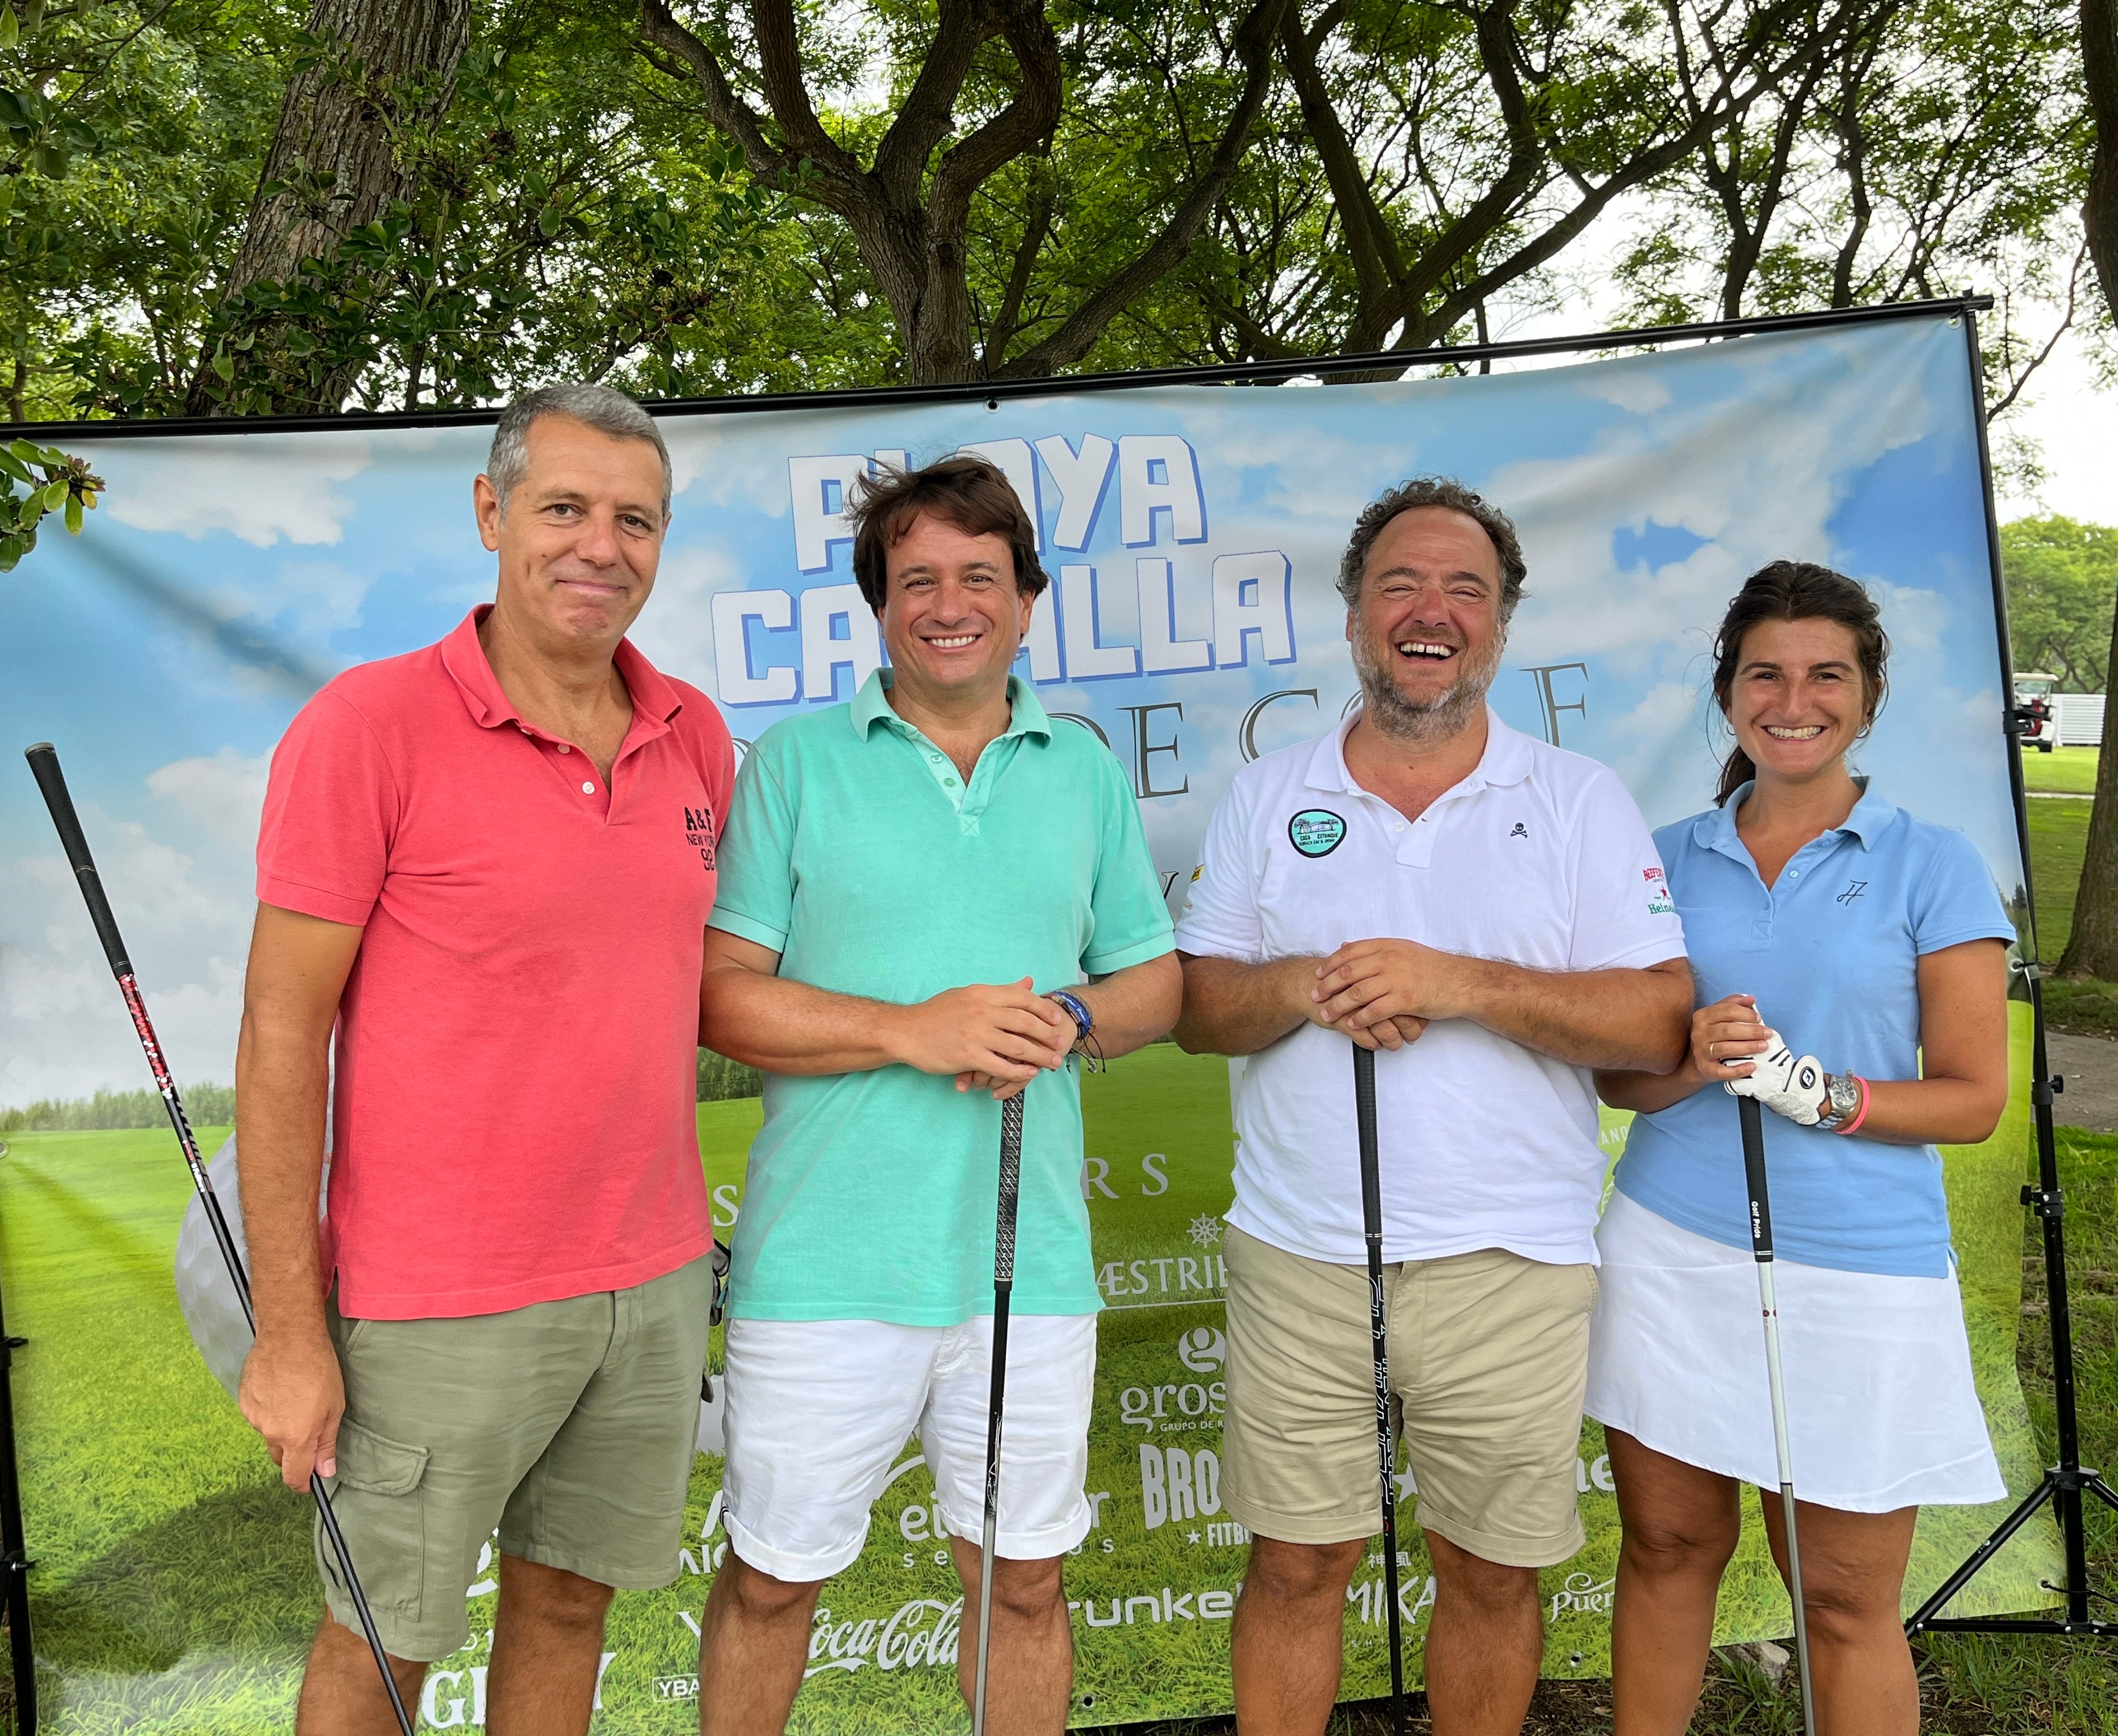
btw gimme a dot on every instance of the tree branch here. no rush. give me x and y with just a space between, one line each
727 111
1079 332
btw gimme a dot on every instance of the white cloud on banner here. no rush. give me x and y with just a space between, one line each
185 913
263 489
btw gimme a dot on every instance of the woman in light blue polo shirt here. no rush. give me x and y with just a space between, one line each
1816 912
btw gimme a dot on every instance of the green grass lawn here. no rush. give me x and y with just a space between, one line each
2069 769
2059 837
174 1591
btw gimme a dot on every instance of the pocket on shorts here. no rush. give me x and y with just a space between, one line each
381 1509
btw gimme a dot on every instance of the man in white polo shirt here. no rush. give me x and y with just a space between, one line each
1488 912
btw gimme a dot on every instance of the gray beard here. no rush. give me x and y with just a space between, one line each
1423 725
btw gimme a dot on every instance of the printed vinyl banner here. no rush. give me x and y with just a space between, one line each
1193 535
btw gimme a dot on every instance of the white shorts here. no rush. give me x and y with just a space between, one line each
1882 1412
819 1412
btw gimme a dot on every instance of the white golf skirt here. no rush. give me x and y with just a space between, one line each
1881 1410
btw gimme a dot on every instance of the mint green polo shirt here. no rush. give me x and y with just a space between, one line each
854 851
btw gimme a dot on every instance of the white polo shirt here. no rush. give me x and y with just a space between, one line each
1540 858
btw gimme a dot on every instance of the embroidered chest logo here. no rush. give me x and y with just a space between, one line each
699 832
1520 831
1658 898
1854 889
1315 831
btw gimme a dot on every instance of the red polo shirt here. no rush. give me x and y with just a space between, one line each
515 1116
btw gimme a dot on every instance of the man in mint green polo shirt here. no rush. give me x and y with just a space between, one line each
930 900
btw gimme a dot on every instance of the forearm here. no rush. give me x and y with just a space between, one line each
1931 1112
1231 1007
1634 1020
1133 1006
283 1090
783 1026
1645 1093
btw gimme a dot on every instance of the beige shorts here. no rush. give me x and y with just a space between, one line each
1488 1355
570 1425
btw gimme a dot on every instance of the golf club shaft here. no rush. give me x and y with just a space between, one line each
1371 1227
44 766
1010 1193
1752 1116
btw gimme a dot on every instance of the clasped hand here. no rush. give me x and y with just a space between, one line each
1383 992
1732 1043
994 1037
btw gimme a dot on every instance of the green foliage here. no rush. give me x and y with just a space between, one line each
206 1105
2062 579
50 482
723 1080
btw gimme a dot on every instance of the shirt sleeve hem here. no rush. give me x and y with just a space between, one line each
746 927
1121 958
1640 957
1957 937
1203 944
308 901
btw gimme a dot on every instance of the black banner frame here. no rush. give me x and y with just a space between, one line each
2064 1482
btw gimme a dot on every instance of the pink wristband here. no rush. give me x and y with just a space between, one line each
1861 1114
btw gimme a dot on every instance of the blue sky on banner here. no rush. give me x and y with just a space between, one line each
1192 533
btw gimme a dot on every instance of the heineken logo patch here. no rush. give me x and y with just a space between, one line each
1315 831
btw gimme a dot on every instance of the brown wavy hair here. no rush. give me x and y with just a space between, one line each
1798 590
968 491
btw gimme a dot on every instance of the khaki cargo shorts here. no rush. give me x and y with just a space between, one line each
1488 1357
570 1425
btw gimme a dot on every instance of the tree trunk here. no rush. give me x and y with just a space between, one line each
391 64
2092 950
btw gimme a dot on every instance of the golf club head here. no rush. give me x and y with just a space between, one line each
205 1292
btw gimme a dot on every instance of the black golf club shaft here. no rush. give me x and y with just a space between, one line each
1750 1112
1371 1227
1010 1193
44 766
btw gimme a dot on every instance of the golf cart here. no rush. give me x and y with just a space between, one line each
2035 713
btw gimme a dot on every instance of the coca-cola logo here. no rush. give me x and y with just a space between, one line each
921 1632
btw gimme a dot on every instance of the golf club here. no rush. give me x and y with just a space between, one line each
44 766
1761 1248
1010 1191
1371 1227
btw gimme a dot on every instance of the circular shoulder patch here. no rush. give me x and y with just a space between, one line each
1315 831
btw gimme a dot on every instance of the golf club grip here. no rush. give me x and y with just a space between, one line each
43 760
1364 1121
1752 1115
1010 1189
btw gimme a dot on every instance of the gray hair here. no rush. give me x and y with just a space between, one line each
1434 491
608 412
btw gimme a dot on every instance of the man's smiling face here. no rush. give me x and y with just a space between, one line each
1427 633
952 617
581 538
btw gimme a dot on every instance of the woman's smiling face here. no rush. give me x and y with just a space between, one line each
1798 701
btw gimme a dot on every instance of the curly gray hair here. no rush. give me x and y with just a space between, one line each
599 407
1434 491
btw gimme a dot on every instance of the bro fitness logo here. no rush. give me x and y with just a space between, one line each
1315 831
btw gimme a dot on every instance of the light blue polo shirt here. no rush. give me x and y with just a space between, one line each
855 851
1831 951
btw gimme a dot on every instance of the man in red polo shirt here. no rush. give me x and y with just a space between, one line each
488 865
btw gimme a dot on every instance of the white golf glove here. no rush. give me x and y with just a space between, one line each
1786 1083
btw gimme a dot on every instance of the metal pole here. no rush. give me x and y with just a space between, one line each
1761 1249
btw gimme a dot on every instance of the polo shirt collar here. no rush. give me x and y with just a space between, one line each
1871 816
655 700
1507 758
1026 715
